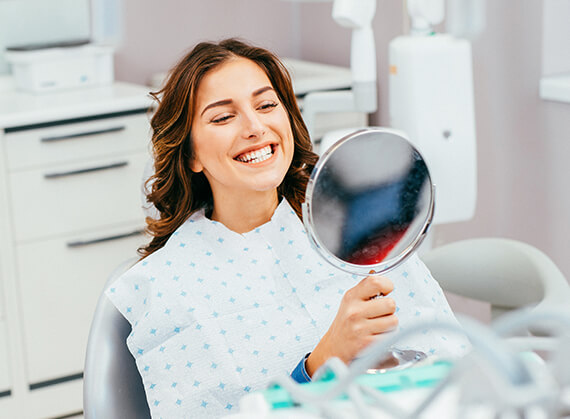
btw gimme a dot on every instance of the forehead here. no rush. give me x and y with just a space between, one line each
237 76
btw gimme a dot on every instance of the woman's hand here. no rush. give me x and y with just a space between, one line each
360 318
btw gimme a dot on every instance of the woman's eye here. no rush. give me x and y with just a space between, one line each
221 119
268 105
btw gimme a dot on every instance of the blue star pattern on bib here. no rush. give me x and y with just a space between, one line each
217 314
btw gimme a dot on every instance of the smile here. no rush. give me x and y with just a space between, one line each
256 156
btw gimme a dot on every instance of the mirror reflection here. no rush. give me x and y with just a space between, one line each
370 201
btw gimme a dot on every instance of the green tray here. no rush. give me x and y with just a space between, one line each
389 381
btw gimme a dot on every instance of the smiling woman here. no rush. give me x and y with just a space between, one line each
242 141
214 95
230 293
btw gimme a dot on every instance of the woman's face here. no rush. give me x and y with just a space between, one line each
241 134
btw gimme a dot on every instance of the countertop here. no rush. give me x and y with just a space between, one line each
19 108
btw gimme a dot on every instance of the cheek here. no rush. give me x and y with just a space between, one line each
290 146
290 153
285 130
209 145
197 155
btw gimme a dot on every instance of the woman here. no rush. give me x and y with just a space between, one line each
229 292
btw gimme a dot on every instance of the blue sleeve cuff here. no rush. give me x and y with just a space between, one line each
299 374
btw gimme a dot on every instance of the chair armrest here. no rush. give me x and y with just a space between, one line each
507 273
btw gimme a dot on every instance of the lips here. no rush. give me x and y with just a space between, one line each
256 156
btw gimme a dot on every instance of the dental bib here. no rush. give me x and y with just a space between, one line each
216 314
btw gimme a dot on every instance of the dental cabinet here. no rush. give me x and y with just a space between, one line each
71 167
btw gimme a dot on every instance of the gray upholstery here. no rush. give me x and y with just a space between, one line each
112 386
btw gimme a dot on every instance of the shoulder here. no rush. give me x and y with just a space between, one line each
132 291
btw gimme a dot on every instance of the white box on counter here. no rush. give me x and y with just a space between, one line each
52 69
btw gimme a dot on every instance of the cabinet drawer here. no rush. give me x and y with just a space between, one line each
77 141
5 373
72 198
59 288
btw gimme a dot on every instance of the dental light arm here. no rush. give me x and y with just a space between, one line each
463 18
424 14
356 15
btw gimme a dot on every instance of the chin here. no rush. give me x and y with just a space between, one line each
269 184
266 187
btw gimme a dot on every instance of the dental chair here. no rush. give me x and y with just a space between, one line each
507 273
112 386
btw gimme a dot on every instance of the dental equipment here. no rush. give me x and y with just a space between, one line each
431 91
432 101
357 16
492 382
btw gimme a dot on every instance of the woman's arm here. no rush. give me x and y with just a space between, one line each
360 319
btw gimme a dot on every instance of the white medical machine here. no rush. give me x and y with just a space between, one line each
431 92
431 99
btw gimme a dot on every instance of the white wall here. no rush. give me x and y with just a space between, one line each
157 33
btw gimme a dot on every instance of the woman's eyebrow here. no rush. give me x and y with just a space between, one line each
261 90
218 103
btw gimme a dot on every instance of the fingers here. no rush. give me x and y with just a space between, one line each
372 286
382 324
360 318
378 307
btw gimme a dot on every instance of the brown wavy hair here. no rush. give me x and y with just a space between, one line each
174 190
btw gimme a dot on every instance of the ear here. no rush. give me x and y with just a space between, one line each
196 166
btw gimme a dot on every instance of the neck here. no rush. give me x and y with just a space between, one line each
245 213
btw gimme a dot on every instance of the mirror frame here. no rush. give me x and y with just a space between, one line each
352 268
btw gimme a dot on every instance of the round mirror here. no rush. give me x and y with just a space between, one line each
369 201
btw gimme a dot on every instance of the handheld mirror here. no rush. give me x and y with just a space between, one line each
369 201
368 205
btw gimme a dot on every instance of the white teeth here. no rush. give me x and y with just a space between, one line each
257 155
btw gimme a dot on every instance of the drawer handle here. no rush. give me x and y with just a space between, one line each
86 170
82 243
82 134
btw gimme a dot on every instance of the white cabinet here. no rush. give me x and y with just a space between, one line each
76 197
57 308
75 141
5 374
70 212
5 378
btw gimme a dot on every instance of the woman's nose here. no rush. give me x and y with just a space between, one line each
253 126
